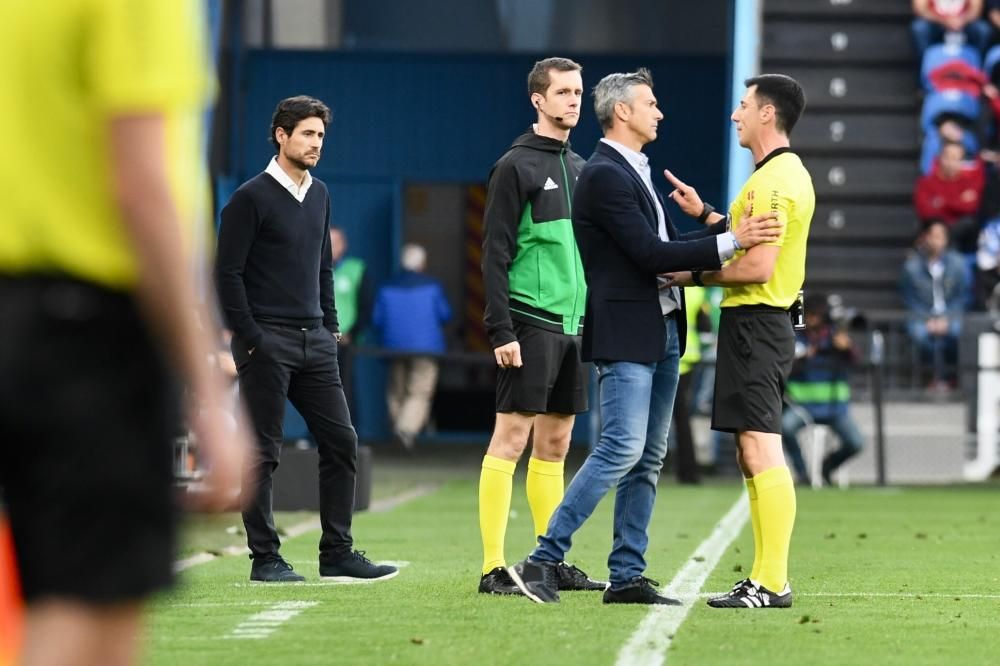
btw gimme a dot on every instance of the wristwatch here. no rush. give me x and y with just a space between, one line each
696 278
706 210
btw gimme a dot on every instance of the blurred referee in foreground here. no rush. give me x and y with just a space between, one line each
756 339
98 311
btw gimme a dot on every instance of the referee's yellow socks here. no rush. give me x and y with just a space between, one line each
495 484
776 509
545 491
755 524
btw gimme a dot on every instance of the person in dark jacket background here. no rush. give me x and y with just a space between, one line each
410 311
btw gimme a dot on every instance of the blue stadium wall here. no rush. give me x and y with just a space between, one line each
446 118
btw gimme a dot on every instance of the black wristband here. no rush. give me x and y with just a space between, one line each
696 278
706 210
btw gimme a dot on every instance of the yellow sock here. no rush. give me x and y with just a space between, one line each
776 508
545 491
495 484
755 524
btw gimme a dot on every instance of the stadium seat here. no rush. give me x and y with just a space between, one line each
819 438
938 55
948 101
991 59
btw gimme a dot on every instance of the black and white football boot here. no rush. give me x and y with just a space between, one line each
753 595
713 601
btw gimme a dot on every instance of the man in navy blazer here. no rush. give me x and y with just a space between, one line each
634 330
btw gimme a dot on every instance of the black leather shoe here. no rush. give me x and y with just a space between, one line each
639 590
355 567
572 577
273 570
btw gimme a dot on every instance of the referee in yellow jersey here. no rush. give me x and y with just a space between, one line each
756 339
100 316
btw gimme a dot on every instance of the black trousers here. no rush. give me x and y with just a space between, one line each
302 366
685 463
345 363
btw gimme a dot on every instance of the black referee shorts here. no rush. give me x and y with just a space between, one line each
553 378
756 349
87 414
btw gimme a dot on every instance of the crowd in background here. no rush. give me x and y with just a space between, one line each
955 263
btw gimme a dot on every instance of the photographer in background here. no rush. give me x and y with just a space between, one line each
819 385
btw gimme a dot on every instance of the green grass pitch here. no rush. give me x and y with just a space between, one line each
893 576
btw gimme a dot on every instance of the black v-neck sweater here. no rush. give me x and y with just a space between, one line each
273 261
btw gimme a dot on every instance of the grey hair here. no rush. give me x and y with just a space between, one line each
615 88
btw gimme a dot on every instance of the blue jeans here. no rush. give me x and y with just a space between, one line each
938 352
637 400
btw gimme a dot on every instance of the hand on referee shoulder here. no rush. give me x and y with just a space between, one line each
758 229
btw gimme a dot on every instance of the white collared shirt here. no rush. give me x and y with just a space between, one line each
299 192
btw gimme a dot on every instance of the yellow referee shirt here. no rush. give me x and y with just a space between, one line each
68 67
781 184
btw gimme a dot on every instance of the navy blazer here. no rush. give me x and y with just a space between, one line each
615 222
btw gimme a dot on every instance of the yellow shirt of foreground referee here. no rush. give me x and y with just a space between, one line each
780 184
68 67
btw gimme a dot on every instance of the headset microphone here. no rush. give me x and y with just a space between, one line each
558 119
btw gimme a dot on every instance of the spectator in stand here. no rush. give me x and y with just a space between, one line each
936 18
951 193
410 311
935 287
988 266
819 386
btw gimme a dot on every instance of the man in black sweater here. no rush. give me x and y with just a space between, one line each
275 277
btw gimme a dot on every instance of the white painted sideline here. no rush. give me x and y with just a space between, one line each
649 643
266 622
378 506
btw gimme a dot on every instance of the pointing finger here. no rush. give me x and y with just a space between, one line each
676 182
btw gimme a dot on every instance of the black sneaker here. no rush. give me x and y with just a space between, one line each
753 595
539 581
355 567
273 570
497 581
639 590
571 577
